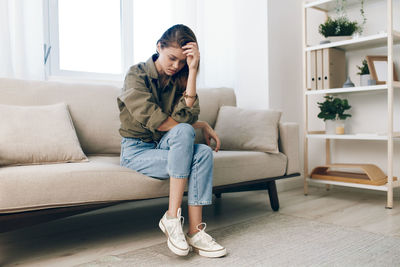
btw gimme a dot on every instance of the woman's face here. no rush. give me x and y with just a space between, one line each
170 60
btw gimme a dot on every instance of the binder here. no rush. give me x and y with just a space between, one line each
319 69
311 70
334 68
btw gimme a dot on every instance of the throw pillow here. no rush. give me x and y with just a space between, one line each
247 129
38 135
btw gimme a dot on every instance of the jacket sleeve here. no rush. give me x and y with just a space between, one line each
184 114
140 102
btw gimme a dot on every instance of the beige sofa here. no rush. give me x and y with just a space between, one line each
29 192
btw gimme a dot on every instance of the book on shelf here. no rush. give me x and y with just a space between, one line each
326 68
320 62
311 70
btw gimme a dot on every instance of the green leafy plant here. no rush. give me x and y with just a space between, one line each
340 8
364 68
364 19
341 26
333 108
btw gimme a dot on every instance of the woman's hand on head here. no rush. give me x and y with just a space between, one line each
192 55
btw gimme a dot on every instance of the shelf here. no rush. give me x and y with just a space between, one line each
364 186
351 136
370 41
350 89
328 5
379 37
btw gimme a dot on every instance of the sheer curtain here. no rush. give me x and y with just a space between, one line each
21 35
233 42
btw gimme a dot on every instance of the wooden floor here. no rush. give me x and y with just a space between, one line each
123 228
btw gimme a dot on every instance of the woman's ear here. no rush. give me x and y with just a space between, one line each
158 48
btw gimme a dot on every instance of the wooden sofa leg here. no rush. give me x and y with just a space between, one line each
273 195
218 195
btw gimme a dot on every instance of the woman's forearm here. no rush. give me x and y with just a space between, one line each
191 87
167 125
199 125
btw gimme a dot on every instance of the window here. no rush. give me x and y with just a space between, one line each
101 39
89 43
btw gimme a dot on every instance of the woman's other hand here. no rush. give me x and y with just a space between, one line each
209 134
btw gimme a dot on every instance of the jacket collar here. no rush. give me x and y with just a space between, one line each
151 66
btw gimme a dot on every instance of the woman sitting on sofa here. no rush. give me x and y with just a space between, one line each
159 109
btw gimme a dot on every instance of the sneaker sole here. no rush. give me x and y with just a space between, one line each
174 249
209 254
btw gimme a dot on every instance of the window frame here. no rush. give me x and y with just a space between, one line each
51 39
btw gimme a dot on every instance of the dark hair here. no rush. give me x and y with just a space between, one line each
178 35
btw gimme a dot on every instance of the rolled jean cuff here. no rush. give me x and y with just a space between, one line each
199 203
179 176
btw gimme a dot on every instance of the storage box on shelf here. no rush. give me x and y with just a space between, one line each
385 39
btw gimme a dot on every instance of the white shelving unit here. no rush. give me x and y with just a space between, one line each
352 137
386 39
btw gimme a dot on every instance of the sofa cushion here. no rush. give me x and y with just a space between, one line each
240 166
38 135
102 179
210 102
245 129
93 108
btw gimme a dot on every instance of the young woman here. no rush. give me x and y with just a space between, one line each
159 109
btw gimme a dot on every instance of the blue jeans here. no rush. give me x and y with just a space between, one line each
176 156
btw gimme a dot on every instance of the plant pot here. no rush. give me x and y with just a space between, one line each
364 79
339 129
339 38
330 126
334 127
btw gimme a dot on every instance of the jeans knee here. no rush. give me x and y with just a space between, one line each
184 130
204 152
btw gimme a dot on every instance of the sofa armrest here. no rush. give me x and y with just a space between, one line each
289 145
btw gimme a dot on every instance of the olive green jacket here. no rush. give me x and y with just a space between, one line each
144 105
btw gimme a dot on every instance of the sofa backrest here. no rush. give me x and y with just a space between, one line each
94 108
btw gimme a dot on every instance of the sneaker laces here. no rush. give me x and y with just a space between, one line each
203 235
177 229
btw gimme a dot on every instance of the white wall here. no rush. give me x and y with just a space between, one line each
233 39
285 58
285 68
251 45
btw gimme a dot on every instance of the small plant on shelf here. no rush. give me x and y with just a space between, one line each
363 68
341 25
333 108
365 77
332 112
338 27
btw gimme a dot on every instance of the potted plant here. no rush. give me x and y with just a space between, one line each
365 77
342 28
332 112
338 29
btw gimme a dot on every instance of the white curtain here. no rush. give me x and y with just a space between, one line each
233 42
21 39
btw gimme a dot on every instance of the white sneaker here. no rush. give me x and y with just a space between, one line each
172 228
203 244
